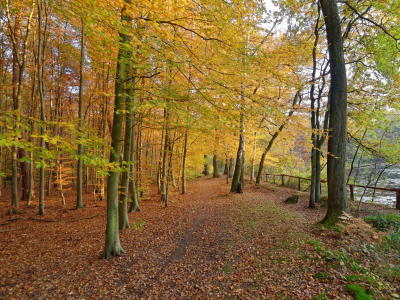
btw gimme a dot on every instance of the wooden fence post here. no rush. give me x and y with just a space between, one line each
283 182
299 185
398 199
274 179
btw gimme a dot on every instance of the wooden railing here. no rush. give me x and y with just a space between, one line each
351 186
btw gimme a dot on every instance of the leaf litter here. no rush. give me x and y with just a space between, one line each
208 244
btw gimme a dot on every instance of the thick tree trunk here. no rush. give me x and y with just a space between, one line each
215 165
112 243
238 166
243 169
337 193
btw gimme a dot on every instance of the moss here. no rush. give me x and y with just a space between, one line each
292 199
360 293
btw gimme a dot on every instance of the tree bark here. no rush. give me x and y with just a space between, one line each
129 102
165 157
134 206
238 166
206 167
79 202
231 167
41 61
112 243
184 164
215 165
337 193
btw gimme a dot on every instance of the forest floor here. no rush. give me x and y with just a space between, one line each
207 244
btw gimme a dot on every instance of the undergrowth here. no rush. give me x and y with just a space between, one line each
365 257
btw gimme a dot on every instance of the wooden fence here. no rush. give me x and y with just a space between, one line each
351 186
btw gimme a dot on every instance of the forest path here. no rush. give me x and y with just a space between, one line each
207 244
175 255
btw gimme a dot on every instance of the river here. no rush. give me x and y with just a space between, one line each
390 179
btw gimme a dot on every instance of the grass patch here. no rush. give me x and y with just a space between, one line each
359 292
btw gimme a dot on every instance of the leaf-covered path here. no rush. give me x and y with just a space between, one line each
208 244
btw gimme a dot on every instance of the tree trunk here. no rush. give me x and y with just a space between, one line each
231 167
134 206
16 106
79 202
112 243
215 165
41 62
317 175
337 193
238 166
226 168
271 142
313 175
129 102
206 167
242 172
184 164
165 158
253 159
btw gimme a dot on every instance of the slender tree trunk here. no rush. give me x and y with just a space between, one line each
170 153
253 159
41 61
296 99
231 167
159 170
184 164
49 176
206 167
129 102
16 106
226 168
134 206
79 202
317 175
165 157
313 174
337 192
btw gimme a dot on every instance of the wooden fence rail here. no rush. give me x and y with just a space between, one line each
351 186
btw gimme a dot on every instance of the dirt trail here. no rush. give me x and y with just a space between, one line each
208 244
176 255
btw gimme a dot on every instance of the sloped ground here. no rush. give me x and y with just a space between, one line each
208 244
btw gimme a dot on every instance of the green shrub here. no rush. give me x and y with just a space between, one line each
384 222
